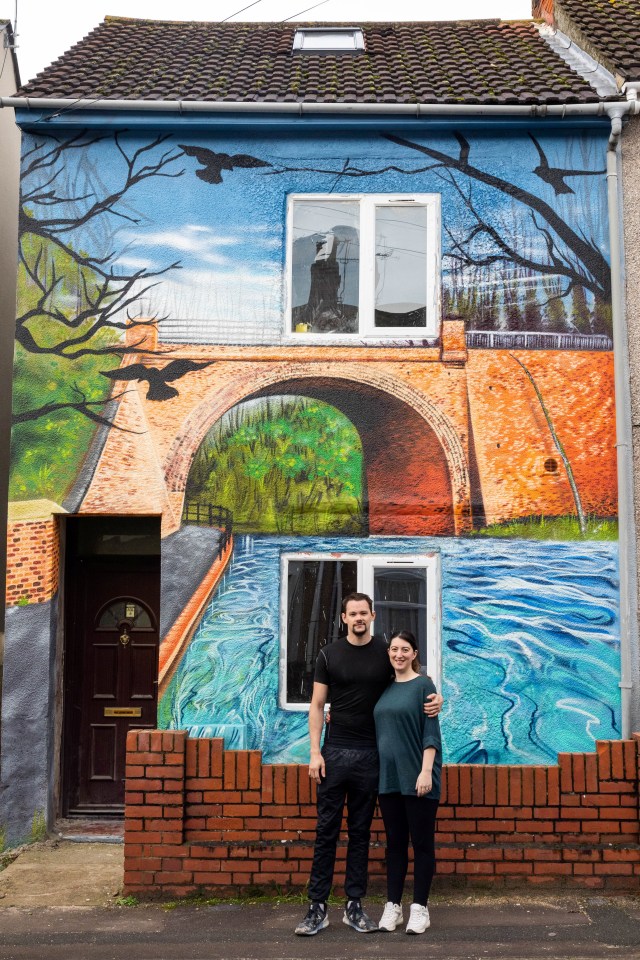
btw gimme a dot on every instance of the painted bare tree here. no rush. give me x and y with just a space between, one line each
569 255
75 304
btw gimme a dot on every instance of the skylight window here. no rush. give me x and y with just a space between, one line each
328 40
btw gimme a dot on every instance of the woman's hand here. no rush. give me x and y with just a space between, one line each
433 704
424 783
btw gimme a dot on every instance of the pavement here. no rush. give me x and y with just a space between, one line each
60 900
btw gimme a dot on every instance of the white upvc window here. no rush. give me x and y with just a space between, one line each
363 266
406 596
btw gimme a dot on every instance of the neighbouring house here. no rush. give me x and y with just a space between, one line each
305 309
9 183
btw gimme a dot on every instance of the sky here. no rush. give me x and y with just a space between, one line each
47 29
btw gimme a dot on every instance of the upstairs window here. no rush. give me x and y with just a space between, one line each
406 596
328 40
363 266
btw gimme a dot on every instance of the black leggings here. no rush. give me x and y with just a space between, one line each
404 818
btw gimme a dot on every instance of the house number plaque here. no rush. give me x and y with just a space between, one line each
123 711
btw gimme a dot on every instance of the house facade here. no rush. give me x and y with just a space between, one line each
309 320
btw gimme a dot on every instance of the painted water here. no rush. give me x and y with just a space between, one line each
530 649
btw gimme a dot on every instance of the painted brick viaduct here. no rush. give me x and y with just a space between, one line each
446 433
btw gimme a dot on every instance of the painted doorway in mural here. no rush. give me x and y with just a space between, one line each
111 653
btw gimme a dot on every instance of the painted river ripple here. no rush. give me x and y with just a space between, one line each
530 649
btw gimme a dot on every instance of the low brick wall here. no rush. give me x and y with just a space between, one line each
199 817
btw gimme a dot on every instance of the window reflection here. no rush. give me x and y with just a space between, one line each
400 602
315 592
325 265
401 256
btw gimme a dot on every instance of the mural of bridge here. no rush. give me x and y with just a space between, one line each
450 437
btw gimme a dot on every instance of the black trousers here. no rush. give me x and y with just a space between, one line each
351 777
409 818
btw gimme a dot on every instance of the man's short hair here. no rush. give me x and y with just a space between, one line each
357 597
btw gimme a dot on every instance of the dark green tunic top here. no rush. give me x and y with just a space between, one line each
403 732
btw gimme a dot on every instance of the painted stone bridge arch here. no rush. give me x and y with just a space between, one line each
412 418
415 460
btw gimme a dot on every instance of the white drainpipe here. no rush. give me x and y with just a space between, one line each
624 439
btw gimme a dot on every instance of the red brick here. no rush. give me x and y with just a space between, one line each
617 760
255 770
279 790
477 785
217 757
553 786
579 774
555 869
453 785
242 770
617 869
603 750
291 784
566 772
514 868
204 759
527 786
490 786
503 785
631 759
464 776
591 772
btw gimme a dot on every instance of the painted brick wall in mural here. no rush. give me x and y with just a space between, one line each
381 362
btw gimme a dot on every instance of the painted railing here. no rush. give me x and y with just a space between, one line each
515 340
210 515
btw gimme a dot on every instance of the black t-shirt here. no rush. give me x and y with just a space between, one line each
356 677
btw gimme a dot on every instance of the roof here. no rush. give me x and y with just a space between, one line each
608 29
476 62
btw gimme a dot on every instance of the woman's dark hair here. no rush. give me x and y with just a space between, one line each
408 637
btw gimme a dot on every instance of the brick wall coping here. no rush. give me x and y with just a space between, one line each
199 817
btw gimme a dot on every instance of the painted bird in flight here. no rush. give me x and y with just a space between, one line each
158 378
555 176
215 163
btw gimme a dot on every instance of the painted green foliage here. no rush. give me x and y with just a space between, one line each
46 377
283 465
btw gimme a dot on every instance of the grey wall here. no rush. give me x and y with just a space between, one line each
9 167
631 207
28 716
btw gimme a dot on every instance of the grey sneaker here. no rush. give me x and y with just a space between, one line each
419 919
354 916
391 917
315 920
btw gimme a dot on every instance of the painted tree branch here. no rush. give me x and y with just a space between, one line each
558 445
597 276
76 303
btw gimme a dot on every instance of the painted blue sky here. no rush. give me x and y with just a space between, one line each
230 237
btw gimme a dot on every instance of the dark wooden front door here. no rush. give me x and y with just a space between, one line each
112 680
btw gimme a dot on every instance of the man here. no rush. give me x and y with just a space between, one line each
352 673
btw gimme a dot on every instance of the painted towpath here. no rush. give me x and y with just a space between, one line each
59 902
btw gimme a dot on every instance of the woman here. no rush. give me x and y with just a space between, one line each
410 762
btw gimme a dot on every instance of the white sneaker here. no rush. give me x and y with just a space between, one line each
418 919
391 917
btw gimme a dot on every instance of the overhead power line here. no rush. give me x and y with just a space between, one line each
299 14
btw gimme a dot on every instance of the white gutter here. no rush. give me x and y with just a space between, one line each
598 109
626 517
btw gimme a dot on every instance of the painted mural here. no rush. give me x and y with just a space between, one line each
390 345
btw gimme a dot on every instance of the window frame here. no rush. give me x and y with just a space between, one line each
429 560
367 203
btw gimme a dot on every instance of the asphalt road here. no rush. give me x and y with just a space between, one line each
564 928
